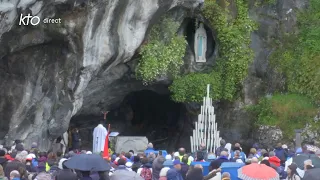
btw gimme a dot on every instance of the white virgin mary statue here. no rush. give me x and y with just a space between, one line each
99 137
200 44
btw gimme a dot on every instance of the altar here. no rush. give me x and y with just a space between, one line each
126 143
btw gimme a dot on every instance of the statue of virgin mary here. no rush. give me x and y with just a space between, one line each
200 45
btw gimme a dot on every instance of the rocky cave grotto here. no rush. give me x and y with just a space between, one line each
141 113
53 76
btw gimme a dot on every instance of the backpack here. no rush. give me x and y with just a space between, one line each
146 174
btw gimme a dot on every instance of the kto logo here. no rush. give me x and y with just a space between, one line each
25 20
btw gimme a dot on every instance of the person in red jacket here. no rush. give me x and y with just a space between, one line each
273 159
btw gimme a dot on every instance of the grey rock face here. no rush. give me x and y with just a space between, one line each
310 135
269 135
236 125
50 72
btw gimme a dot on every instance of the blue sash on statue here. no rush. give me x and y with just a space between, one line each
200 38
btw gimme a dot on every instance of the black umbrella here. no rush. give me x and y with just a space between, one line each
299 160
88 162
315 162
312 174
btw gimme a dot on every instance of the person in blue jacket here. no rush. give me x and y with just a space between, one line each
149 149
175 172
242 156
281 154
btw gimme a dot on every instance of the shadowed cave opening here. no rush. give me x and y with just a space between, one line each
141 113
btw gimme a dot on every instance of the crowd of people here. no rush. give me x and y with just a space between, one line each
18 163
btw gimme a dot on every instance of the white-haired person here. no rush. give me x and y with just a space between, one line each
14 175
150 147
163 173
168 161
310 170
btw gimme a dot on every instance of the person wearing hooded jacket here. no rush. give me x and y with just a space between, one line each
157 165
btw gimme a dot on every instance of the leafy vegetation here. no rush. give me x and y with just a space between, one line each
235 54
163 53
286 111
297 54
265 2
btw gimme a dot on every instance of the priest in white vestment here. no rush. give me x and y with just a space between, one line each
99 137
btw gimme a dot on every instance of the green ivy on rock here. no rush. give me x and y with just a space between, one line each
259 3
190 88
286 111
235 55
297 54
164 52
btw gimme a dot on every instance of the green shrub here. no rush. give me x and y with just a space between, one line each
164 52
297 54
192 87
259 3
235 55
286 111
